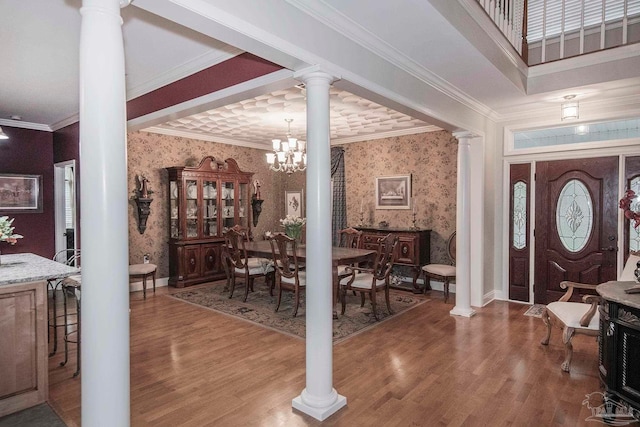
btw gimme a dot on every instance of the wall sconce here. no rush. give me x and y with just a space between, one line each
256 202
569 109
143 202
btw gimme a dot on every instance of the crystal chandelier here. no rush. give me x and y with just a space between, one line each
288 156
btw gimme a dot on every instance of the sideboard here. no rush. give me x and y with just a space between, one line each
619 344
413 250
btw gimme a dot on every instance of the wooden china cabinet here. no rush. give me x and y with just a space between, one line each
204 201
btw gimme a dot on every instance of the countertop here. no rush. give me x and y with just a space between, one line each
615 291
22 268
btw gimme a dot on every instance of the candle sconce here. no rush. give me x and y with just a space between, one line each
256 207
143 201
256 202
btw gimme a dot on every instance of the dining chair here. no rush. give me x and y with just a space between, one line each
348 238
289 276
241 265
372 280
442 272
72 289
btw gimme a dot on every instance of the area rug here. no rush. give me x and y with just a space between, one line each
259 309
37 416
535 310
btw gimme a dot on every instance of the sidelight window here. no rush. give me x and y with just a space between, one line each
519 220
634 233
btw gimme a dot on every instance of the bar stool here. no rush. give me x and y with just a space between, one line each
69 257
71 287
144 271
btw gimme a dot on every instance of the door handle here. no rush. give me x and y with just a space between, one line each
609 249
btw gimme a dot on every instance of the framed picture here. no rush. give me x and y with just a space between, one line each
393 192
20 193
293 203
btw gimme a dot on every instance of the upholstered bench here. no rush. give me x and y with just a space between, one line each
144 271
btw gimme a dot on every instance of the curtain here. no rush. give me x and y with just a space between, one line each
339 198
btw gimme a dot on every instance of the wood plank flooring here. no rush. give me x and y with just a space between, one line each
191 366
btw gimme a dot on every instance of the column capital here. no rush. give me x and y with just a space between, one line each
124 3
314 72
464 134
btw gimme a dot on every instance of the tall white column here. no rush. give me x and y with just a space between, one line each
319 399
104 196
463 228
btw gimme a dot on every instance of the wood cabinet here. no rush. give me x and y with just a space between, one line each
413 250
619 343
204 201
23 346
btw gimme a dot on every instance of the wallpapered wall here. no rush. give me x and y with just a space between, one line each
430 158
149 154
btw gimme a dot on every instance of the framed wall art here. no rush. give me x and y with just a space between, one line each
20 193
293 203
393 192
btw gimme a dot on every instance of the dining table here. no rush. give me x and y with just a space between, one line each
339 256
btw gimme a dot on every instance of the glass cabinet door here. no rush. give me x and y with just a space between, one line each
243 215
228 205
209 208
174 211
191 192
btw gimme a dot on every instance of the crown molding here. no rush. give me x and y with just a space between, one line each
353 31
25 125
382 135
184 70
66 122
203 137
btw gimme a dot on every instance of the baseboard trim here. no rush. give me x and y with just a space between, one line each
137 285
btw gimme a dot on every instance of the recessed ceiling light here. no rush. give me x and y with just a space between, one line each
16 117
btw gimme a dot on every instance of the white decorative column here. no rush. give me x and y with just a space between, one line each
463 228
104 197
319 399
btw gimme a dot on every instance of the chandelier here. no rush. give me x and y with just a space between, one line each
288 156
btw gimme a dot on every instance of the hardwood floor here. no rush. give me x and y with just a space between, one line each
191 366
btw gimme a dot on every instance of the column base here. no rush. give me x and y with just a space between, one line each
320 413
464 312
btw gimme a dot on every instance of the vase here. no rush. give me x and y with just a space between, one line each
293 232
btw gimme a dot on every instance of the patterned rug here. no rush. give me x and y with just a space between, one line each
260 306
535 310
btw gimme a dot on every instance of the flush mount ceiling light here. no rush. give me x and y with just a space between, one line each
3 135
570 108
288 156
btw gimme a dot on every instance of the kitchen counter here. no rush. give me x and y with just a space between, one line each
22 268
24 377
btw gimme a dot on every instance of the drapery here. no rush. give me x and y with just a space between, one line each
339 199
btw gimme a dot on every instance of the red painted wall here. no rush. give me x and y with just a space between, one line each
31 152
35 152
231 72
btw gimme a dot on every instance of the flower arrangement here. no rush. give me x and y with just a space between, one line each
6 231
293 226
625 205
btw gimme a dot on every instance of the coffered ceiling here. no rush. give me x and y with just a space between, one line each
254 122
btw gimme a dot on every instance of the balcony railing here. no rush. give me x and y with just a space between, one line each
548 30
